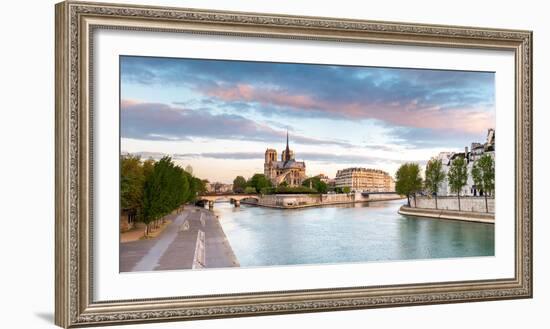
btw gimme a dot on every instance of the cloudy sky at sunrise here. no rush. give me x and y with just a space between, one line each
220 116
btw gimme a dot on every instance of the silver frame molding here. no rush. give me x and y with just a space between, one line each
75 24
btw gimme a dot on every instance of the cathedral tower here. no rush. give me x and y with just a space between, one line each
269 163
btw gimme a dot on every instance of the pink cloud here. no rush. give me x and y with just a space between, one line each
244 92
412 114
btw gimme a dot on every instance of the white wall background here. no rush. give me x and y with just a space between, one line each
27 162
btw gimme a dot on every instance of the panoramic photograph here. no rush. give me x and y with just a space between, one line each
227 164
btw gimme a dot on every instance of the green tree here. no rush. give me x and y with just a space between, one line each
458 176
483 174
148 166
239 184
131 184
289 190
153 190
154 194
259 181
166 187
408 180
322 187
198 187
191 192
434 175
267 190
346 189
250 190
316 183
185 189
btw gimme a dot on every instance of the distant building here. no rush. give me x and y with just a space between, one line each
363 179
288 170
219 188
323 178
471 155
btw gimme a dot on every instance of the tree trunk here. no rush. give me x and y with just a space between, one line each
486 206
458 194
436 201
408 200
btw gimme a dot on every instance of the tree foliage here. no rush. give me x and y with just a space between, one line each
434 175
154 189
131 184
483 174
258 182
316 183
345 189
250 190
198 188
288 190
458 175
165 189
239 184
408 180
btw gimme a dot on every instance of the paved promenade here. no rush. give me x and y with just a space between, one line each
194 239
466 216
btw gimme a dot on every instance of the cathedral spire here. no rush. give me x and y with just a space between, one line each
287 139
287 150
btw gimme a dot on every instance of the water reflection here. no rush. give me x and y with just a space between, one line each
346 233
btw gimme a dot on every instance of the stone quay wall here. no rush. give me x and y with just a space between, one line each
467 203
312 200
289 200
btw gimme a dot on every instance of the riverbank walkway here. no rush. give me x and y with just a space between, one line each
194 239
467 216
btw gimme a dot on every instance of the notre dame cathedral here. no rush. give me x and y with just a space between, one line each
287 170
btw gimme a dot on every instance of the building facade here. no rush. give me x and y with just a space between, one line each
363 179
323 178
217 187
287 170
476 151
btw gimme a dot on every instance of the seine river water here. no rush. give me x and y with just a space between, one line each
342 234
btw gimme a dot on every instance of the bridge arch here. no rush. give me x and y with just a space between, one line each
235 198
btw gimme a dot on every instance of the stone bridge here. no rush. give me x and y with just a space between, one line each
234 198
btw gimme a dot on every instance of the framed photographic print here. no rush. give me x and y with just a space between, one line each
218 164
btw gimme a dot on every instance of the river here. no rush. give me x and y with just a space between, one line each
348 233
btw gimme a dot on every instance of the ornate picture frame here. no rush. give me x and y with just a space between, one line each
74 175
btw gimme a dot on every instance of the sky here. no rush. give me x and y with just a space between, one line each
220 116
